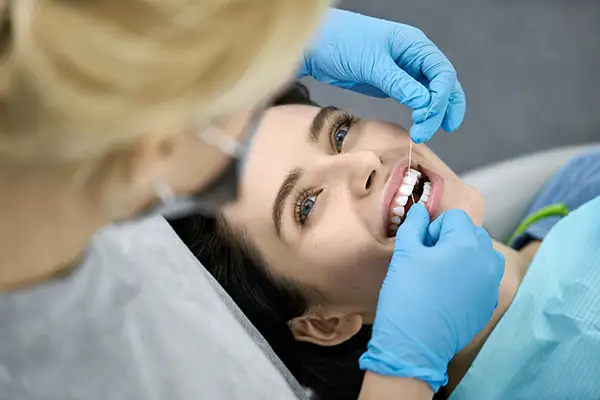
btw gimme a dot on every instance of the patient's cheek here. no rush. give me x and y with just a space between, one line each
354 277
476 206
463 197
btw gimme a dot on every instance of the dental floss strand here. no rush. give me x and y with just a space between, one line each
410 144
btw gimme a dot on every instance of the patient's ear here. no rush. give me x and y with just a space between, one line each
326 327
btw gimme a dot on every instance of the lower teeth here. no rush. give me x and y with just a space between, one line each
402 203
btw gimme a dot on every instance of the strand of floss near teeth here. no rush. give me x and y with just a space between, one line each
412 196
410 145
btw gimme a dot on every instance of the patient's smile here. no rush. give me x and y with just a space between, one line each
414 187
405 187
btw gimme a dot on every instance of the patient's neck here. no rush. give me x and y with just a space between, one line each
516 265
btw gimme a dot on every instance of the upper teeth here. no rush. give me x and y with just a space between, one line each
409 181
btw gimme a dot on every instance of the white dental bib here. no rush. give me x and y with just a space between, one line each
547 345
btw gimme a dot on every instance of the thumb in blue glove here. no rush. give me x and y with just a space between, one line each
440 290
387 59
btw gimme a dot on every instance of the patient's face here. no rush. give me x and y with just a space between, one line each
318 197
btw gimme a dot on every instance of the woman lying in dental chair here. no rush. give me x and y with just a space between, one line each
305 250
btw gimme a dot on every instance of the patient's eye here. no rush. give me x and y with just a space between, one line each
339 130
304 205
338 138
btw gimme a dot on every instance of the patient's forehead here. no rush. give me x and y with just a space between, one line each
281 133
283 123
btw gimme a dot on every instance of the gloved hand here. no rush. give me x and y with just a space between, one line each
440 290
388 59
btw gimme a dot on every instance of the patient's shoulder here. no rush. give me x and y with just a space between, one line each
576 183
587 163
573 185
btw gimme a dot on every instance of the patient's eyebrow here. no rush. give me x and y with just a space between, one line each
286 188
292 178
316 127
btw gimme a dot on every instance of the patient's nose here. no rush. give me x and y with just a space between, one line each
360 169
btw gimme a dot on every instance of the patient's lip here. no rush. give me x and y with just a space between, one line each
389 191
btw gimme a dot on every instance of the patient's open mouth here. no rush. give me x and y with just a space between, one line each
414 188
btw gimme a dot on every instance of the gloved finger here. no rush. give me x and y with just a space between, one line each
499 266
441 76
413 230
423 131
453 221
483 236
442 79
435 229
457 107
398 84
485 241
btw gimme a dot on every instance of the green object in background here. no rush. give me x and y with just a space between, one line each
553 210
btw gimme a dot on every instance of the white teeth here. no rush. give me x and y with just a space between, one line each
426 189
399 211
414 172
402 200
409 180
426 193
406 190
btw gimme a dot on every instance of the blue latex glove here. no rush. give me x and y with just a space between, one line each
388 59
440 290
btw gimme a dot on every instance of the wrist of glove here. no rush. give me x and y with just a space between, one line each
440 290
404 356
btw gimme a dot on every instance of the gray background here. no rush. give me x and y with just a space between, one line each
530 70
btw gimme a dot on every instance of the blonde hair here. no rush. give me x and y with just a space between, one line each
80 77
